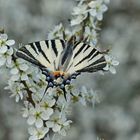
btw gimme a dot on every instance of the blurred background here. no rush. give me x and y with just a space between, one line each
117 117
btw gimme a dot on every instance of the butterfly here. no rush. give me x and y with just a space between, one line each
61 61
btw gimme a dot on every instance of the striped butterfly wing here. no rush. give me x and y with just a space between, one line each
43 53
86 59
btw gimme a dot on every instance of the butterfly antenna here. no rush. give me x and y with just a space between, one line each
71 40
44 92
64 90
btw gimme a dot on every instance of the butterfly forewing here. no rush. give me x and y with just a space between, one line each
43 53
86 59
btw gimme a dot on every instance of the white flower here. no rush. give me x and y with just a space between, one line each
47 104
6 58
20 70
97 9
111 62
4 43
17 89
37 133
54 123
37 116
57 123
91 34
80 10
57 32
65 127
80 14
77 20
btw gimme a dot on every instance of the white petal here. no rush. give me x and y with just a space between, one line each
32 131
63 132
50 124
92 4
38 123
24 77
93 12
15 77
10 42
33 138
25 113
45 130
2 61
115 62
17 98
77 20
45 116
14 71
49 111
10 51
9 61
106 67
3 37
52 102
112 70
99 16
67 123
107 58
104 8
56 128
31 120
23 67
20 95
3 49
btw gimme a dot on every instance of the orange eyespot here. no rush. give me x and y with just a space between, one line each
58 73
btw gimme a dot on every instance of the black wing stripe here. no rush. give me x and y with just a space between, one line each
47 44
41 51
80 50
63 43
54 47
87 48
87 57
94 55
33 47
101 60
94 68
27 58
76 45
24 50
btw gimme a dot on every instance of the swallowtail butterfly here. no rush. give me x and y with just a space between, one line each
61 61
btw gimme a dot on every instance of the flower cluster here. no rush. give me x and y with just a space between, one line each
5 50
47 112
86 17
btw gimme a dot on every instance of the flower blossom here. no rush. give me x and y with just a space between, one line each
111 62
5 50
37 115
97 8
37 133
80 14
4 43
20 70
57 123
